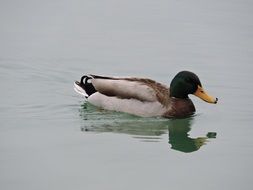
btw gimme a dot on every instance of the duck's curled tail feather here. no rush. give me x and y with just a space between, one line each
85 87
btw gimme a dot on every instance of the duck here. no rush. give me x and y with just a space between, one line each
143 96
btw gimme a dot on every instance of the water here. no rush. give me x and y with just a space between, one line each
51 139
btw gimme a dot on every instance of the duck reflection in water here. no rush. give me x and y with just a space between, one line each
180 139
145 129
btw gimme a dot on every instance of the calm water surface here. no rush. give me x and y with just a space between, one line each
51 139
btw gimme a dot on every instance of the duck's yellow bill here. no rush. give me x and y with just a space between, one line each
204 96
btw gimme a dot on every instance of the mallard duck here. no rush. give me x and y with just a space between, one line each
144 97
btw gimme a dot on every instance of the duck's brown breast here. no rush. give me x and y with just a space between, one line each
180 108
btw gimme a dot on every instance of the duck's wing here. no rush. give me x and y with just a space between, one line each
131 88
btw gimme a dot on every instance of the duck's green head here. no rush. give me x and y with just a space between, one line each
185 83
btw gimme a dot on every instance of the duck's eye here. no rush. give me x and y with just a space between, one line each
201 91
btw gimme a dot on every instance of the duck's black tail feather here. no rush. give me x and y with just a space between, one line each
87 85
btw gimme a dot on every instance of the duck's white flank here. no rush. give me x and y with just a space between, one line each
132 106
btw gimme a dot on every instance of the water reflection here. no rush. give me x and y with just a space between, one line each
180 139
145 129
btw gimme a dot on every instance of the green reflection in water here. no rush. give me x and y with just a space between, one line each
180 139
145 129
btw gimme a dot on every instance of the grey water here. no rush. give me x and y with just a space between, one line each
50 138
